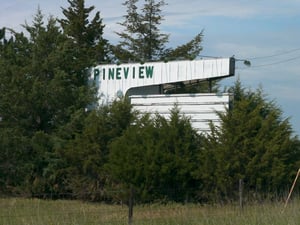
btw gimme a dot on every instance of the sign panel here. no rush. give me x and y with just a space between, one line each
200 108
115 80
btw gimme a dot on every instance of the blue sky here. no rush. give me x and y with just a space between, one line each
265 31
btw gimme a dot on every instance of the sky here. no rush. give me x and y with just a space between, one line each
266 32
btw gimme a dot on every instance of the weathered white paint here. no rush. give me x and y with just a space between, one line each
115 80
200 108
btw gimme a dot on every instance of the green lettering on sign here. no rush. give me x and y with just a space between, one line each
133 73
118 73
96 73
141 71
103 72
111 73
126 71
149 71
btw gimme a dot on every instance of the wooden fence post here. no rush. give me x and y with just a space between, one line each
241 193
130 205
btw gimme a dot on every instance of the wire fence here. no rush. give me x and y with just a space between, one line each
67 209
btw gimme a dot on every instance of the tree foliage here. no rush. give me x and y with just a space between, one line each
28 104
156 157
87 151
44 81
142 40
253 143
85 35
53 143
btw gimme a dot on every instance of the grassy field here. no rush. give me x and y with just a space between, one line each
18 211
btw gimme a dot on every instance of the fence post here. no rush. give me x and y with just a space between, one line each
292 188
241 193
130 205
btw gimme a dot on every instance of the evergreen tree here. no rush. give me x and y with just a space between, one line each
190 50
85 35
87 152
156 156
44 85
45 107
14 144
253 143
142 39
83 47
43 102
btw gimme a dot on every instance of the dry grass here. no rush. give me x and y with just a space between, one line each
18 211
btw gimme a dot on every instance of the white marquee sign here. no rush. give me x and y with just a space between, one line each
115 80
201 109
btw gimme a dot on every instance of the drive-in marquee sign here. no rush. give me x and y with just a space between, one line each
113 80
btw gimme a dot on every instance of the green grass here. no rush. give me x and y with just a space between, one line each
18 211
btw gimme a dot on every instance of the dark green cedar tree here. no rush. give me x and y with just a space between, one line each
142 40
156 156
88 151
253 143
